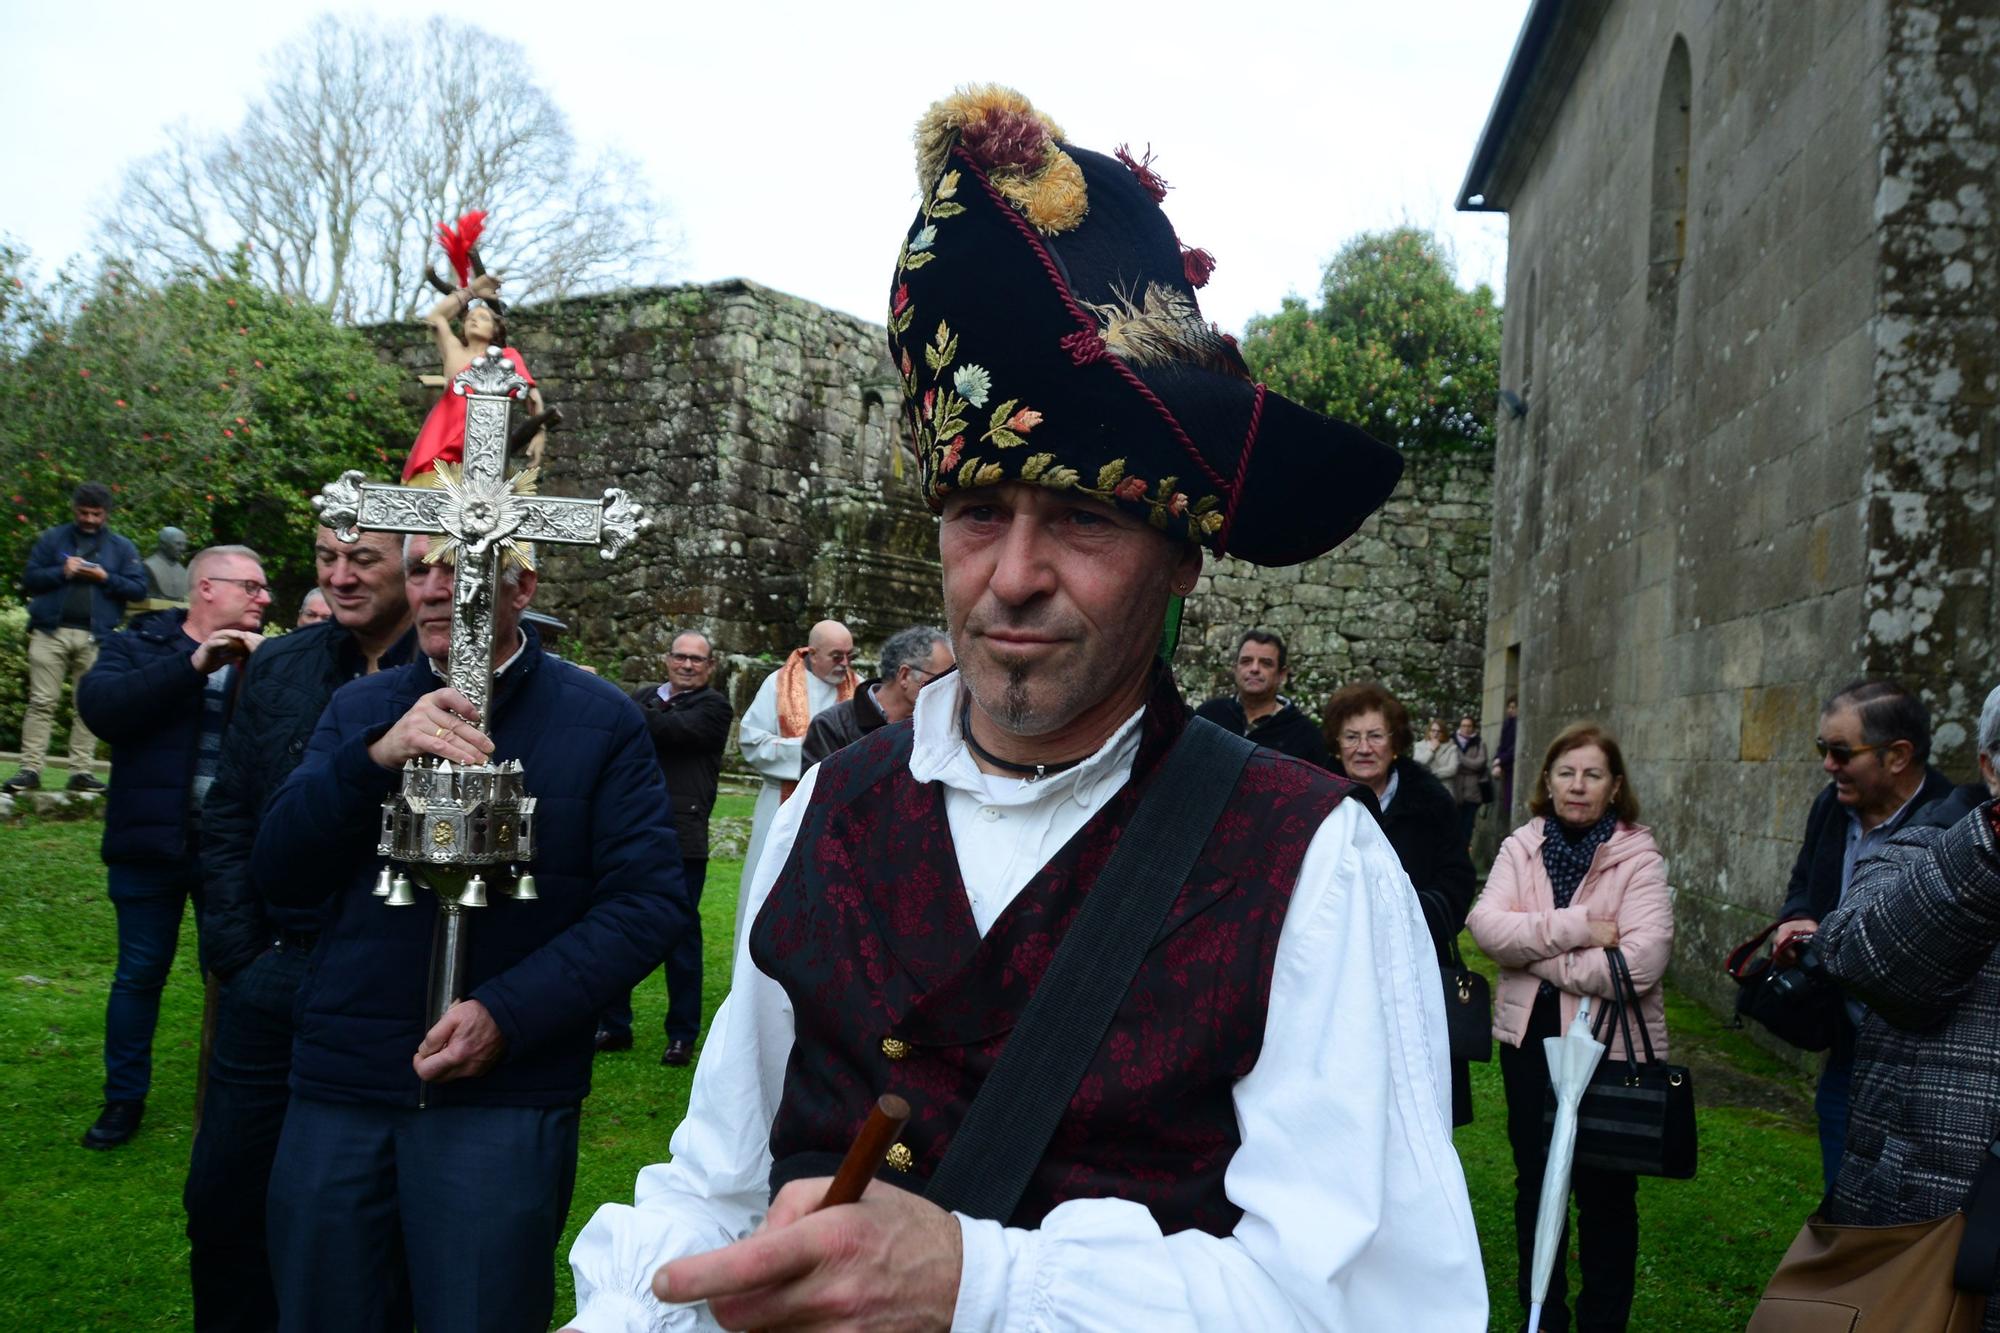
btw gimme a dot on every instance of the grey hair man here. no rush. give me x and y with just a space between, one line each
163 692
312 609
1874 744
1913 939
911 659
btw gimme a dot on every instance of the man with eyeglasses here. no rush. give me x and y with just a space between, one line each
162 692
911 659
773 733
688 723
1258 711
1874 744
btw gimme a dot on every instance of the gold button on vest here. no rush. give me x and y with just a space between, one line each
894 1048
901 1158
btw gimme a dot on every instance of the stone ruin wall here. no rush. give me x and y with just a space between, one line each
762 432
1403 601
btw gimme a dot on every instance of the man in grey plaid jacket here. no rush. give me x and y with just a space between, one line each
1915 939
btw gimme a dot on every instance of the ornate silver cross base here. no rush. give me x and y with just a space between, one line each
449 825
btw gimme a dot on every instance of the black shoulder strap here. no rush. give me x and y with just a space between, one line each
996 1150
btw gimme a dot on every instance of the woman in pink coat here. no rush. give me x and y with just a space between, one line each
1579 877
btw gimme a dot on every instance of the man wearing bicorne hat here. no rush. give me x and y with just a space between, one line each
773 731
1257 1132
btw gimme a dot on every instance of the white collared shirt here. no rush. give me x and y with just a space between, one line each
1377 1234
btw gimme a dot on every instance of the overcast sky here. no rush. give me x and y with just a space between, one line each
779 133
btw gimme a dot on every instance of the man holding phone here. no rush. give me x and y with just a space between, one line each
79 577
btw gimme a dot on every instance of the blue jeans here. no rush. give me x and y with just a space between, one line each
230 1171
683 972
149 900
1830 1105
449 1216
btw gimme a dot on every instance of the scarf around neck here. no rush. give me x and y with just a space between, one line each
795 702
1567 856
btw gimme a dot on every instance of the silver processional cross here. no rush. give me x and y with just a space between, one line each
449 823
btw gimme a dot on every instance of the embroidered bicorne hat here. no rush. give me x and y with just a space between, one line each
1044 322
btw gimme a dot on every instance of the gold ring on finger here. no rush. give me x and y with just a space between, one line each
443 732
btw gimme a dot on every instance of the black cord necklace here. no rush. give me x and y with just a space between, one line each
1032 772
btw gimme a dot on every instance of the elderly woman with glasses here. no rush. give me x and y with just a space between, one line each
1579 877
1368 733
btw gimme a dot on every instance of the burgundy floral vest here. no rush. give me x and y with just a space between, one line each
893 990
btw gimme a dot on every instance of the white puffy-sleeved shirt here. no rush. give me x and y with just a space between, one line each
1355 1214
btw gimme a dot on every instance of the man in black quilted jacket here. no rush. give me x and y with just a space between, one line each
257 949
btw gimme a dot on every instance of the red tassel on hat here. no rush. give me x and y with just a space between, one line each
1198 265
458 242
1143 169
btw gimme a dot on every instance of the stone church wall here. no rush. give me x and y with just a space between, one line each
1752 473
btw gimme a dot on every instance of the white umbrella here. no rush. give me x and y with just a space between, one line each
1573 1058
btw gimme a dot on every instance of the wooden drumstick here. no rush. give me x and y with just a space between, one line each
871 1146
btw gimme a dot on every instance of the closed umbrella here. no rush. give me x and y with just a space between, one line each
1573 1058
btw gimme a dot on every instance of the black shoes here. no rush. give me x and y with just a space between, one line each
25 780
613 1041
84 782
679 1052
116 1124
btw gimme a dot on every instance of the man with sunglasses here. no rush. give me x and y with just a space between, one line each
911 659
161 693
1874 744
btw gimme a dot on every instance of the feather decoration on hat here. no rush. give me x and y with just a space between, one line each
459 240
1162 328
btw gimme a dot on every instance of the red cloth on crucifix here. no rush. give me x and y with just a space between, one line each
443 433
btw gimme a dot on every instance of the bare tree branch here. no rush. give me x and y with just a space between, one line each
362 140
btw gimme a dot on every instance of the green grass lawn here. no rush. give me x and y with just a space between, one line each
94 1240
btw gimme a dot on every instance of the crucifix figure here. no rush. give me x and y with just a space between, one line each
448 823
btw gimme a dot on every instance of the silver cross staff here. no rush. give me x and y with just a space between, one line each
447 823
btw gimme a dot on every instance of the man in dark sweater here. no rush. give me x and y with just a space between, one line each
161 693
688 723
79 577
259 950
1258 711
1874 743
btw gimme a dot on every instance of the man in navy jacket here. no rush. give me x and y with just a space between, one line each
455 1209
80 574
162 693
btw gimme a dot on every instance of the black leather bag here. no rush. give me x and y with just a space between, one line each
1797 1003
1468 1009
1636 1115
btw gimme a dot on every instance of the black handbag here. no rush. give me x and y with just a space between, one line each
1636 1116
1468 1008
1797 1003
